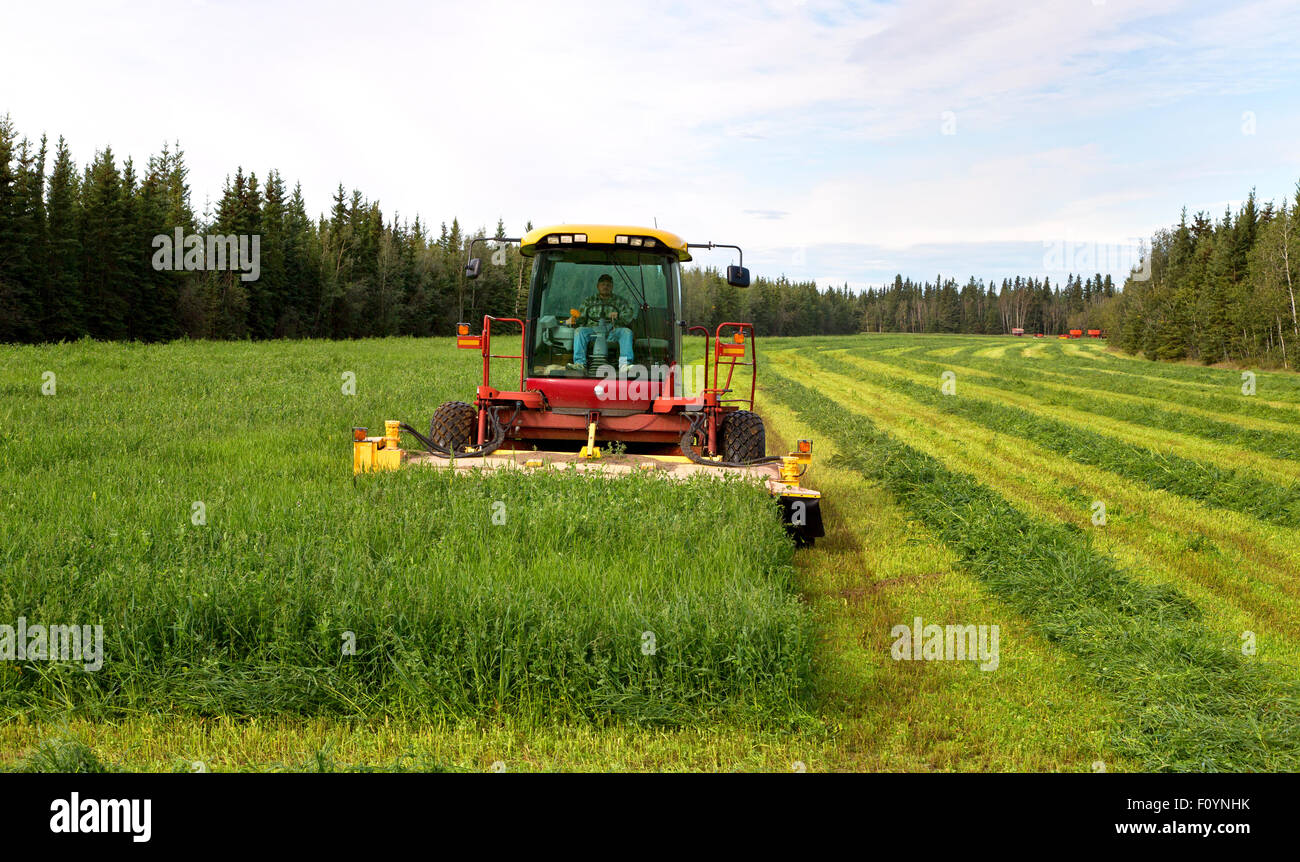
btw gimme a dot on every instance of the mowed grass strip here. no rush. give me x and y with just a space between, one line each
1244 574
1220 394
1274 388
1220 487
1191 703
1226 402
1248 466
296 589
1279 390
1278 439
879 567
1030 398
1282 387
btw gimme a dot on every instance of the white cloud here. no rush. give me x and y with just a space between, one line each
712 118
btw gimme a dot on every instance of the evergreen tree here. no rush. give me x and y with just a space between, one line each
23 281
268 299
106 250
62 318
14 302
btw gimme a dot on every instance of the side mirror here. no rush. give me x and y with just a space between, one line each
737 276
472 268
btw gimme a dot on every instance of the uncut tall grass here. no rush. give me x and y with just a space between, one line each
545 614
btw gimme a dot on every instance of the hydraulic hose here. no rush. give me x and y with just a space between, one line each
498 436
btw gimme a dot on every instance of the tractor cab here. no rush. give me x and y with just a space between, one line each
605 302
574 320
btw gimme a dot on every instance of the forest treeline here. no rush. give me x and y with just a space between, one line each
1207 290
1035 305
78 254
77 259
1219 290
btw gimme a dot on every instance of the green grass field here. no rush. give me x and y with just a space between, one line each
1164 638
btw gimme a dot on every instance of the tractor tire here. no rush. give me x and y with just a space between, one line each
743 437
453 426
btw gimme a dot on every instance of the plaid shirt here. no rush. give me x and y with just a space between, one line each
596 308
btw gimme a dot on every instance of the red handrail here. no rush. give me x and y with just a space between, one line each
731 366
707 345
488 355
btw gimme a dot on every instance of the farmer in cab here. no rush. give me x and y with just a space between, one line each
604 304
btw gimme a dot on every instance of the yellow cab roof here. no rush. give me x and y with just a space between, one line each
603 234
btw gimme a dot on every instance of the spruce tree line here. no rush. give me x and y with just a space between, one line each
1218 291
77 257
1024 302
76 260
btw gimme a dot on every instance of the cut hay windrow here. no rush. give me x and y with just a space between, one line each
1276 385
1280 386
1224 395
1275 396
1191 701
1032 380
1229 489
1241 572
1193 380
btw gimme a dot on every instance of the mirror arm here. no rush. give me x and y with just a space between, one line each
712 245
479 239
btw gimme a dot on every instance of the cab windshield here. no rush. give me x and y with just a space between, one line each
596 307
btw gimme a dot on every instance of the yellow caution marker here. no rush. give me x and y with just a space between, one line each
591 450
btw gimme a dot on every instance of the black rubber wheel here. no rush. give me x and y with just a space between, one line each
453 425
743 437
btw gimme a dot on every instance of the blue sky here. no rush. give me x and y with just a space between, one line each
838 141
